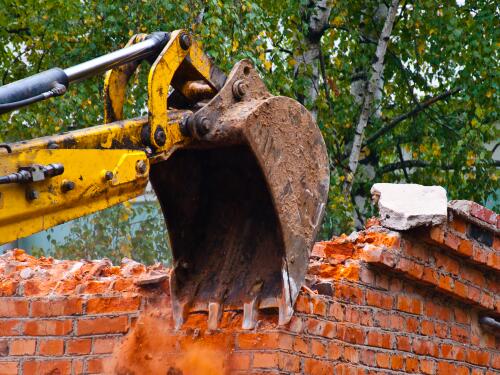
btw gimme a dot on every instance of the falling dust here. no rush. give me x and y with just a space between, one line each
153 347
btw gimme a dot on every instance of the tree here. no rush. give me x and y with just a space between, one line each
438 101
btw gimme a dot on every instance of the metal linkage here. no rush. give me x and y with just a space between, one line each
55 81
33 173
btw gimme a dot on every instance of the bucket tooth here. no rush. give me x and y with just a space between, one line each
250 314
214 315
179 312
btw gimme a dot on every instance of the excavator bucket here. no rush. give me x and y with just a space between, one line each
243 202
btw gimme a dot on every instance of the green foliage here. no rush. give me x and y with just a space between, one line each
134 231
435 47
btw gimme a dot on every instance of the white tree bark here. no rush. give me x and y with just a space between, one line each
317 20
373 86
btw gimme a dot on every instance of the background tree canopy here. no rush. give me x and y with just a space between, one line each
433 120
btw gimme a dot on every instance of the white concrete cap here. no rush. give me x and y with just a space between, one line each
405 206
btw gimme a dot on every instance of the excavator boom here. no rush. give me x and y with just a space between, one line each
241 175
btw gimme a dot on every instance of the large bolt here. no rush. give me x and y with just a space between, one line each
108 175
239 89
185 41
160 136
141 167
202 126
31 194
67 185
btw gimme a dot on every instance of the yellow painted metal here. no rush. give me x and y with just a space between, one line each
88 154
160 76
115 85
20 217
124 134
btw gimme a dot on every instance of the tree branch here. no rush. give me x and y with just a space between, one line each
419 108
422 164
377 69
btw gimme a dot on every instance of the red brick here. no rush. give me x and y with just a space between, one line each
350 334
329 330
94 287
8 287
484 214
480 255
51 347
474 294
461 290
239 361
411 364
493 260
335 351
441 330
78 346
285 341
445 283
100 325
78 367
412 325
350 354
459 334
103 345
349 294
427 366
95 365
430 276
461 316
265 360
319 306
288 362
472 275
427 328
315 326
101 305
397 362
316 367
336 311
383 360
437 311
478 357
465 248
303 304
379 339
13 307
409 304
425 347
296 325
11 328
397 322
44 327
378 299
411 268
301 345
437 234
451 240
459 225
37 367
318 348
367 357
258 340
9 368
22 347
403 343
56 307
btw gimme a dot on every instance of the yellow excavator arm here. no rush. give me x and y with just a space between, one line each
242 176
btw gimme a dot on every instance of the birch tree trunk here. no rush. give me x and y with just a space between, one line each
373 86
317 16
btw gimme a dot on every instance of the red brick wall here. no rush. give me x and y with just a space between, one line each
375 302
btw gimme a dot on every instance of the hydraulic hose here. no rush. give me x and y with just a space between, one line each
55 81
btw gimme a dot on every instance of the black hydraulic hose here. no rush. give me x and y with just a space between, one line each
490 322
55 81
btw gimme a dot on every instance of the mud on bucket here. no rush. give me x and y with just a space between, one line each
243 203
